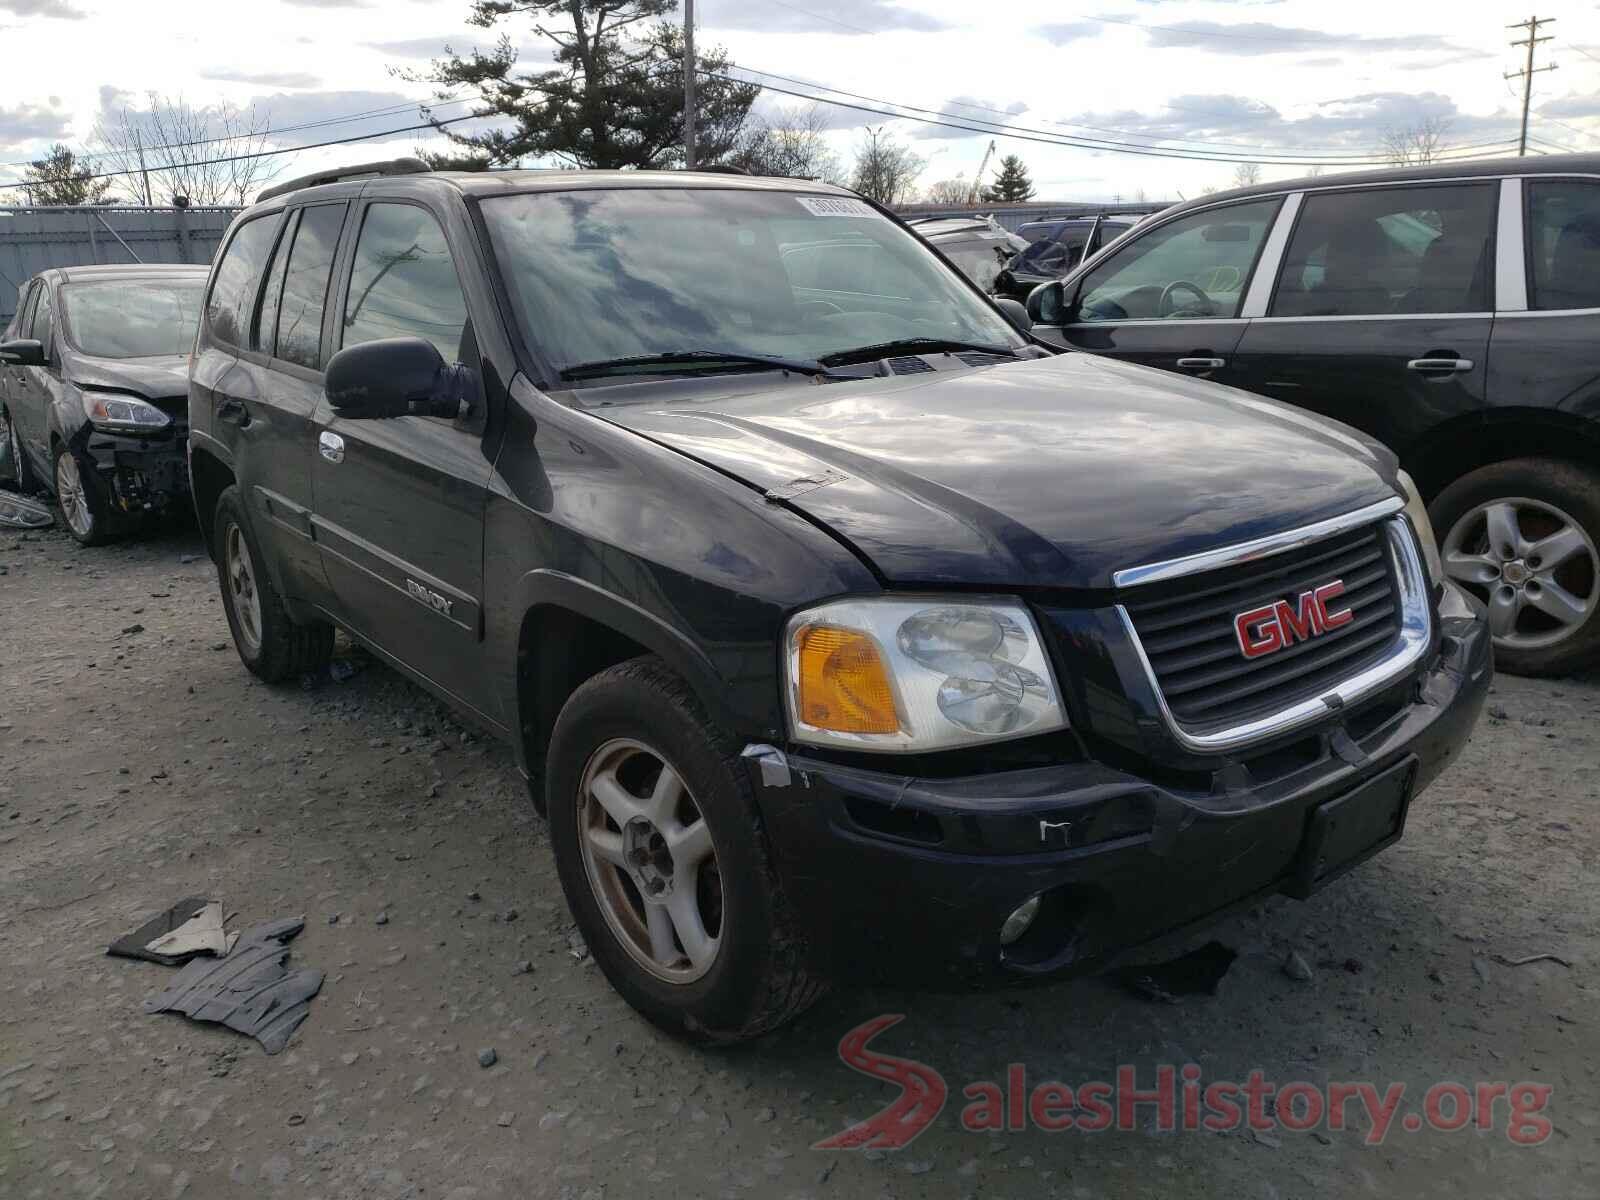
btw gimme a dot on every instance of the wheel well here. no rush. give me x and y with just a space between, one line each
210 478
1445 455
557 651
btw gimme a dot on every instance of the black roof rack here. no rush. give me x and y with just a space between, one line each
388 166
723 169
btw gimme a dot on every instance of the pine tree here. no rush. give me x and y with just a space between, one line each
58 179
1012 185
614 97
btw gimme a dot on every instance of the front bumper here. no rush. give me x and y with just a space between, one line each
909 880
143 474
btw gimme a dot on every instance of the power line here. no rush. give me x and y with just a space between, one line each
1022 133
805 12
1332 159
345 141
387 111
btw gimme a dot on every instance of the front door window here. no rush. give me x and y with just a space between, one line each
1191 269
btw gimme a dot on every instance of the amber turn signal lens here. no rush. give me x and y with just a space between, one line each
844 685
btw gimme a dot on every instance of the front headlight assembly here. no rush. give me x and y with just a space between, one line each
1417 512
918 674
123 414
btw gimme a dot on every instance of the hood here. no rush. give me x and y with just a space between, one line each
163 376
1051 472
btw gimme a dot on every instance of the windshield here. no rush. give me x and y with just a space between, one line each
133 318
599 275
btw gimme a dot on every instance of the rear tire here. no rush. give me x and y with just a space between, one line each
619 735
1522 536
269 642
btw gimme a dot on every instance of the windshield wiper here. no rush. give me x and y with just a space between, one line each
620 366
912 345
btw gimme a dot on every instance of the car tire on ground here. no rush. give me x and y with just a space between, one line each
664 861
83 508
269 642
1522 536
21 470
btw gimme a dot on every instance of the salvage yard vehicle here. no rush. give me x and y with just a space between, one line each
980 247
1056 247
1448 310
94 391
838 633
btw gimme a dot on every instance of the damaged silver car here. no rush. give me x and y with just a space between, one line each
93 391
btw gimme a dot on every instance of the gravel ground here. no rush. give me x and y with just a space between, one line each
140 763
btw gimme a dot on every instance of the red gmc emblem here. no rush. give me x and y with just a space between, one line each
1273 627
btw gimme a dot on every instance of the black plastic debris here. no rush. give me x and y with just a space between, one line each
251 991
1195 974
136 944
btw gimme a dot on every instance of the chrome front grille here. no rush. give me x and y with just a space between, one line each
1218 697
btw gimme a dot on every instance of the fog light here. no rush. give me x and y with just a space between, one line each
1017 923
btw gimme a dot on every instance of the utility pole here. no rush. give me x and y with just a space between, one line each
1529 71
138 140
688 85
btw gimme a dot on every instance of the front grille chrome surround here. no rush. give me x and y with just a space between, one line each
1409 644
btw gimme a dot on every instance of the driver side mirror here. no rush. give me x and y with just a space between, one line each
1047 304
394 377
22 352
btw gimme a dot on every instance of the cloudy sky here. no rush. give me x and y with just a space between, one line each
1268 80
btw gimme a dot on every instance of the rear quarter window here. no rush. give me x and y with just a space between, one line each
234 289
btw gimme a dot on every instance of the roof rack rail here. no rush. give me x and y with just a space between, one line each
723 169
388 166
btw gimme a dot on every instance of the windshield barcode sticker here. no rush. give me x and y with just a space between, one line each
836 206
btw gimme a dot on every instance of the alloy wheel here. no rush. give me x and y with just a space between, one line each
70 494
650 860
242 587
1533 565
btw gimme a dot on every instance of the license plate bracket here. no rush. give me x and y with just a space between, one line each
1346 831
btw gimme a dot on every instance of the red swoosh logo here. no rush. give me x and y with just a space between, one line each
921 1099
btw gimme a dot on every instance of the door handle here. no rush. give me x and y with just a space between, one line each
1202 364
331 447
1439 366
233 411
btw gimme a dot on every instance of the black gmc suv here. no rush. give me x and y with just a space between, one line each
842 631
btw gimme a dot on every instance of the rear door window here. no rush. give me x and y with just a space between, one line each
404 283
20 319
44 319
1194 268
305 285
1563 243
1389 250
231 303
266 323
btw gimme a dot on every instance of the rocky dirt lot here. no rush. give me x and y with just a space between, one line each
140 763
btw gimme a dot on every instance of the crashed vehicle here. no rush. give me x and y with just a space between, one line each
980 247
838 633
94 391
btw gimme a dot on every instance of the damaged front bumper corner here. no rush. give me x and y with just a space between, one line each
136 474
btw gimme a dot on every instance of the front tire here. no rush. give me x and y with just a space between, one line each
269 642
1522 536
664 861
83 508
